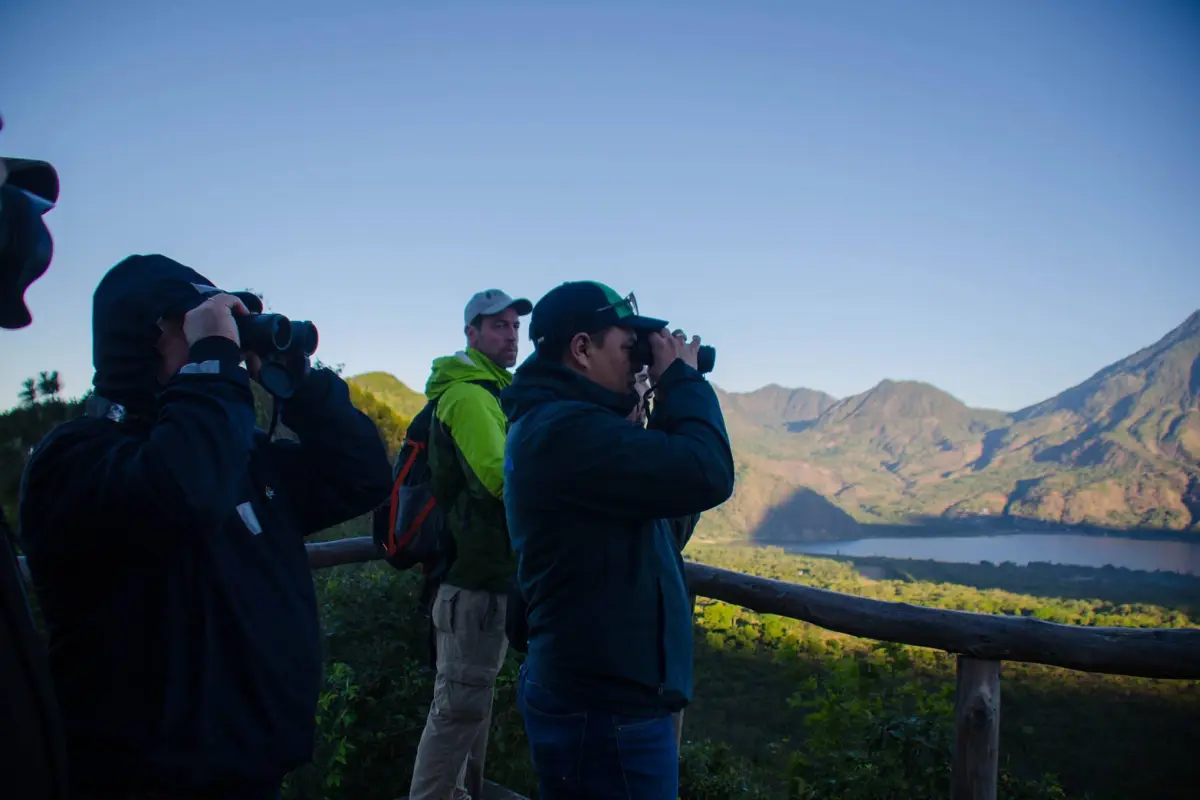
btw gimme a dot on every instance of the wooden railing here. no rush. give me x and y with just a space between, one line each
981 642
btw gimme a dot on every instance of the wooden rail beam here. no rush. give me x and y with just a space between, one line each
1144 652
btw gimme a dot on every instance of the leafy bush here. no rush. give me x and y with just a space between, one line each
873 732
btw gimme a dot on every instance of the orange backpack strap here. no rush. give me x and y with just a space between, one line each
394 506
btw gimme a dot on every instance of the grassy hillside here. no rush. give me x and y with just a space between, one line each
391 390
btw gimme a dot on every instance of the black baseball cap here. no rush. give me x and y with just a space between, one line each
585 307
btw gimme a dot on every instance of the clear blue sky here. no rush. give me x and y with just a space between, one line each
998 198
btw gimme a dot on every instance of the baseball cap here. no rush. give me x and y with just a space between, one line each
585 307
493 301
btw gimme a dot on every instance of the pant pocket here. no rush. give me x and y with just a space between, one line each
444 604
648 755
555 732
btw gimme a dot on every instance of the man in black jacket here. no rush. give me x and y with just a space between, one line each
588 498
165 535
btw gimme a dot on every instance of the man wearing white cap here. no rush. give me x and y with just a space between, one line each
466 462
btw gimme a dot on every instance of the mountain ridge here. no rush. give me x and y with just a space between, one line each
1120 449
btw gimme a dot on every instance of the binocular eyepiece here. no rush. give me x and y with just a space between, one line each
273 334
643 356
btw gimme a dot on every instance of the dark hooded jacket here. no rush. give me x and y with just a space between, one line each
166 545
589 498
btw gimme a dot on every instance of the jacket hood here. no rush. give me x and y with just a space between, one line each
539 380
465 365
126 308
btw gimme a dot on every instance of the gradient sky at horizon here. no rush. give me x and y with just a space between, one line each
999 199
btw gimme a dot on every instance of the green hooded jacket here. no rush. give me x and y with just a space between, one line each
467 467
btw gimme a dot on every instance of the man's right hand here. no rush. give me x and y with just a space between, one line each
214 317
667 347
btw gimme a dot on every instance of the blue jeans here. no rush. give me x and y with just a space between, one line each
583 753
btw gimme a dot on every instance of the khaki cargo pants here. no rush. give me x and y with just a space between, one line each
471 646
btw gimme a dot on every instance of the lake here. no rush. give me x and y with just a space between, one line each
1022 548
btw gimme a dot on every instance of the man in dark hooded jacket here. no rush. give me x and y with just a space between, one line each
165 535
589 498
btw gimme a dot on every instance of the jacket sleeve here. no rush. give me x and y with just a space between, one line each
478 427
339 468
183 477
682 528
681 465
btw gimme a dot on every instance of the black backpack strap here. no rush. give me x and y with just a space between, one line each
491 386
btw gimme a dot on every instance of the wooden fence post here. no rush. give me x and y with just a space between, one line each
975 768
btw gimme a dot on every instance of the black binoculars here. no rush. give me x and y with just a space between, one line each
273 334
643 356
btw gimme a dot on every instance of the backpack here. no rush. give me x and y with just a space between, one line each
410 527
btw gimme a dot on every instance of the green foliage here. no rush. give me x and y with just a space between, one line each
392 391
783 709
713 771
876 728
391 425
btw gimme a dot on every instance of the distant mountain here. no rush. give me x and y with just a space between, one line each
1121 449
774 405
392 391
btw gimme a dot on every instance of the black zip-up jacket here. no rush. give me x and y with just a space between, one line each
589 499
168 556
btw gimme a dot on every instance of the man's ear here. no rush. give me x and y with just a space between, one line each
579 349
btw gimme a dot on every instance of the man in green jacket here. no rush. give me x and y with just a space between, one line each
466 459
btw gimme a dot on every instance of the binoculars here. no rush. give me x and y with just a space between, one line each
642 355
274 334
284 345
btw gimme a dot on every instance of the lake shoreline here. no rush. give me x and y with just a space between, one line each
951 529
1020 548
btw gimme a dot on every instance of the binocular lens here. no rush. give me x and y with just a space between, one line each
265 334
304 336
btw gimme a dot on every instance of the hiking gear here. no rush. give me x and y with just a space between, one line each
417 527
466 461
590 500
